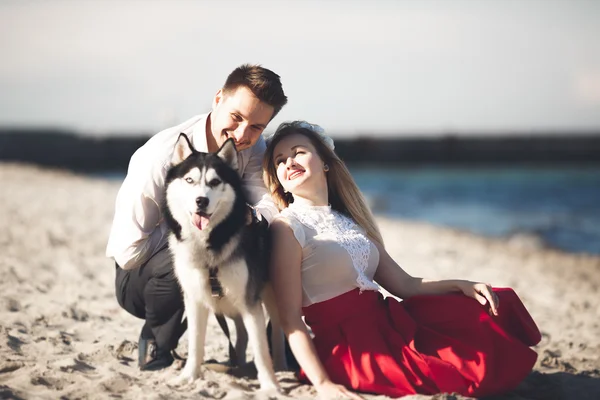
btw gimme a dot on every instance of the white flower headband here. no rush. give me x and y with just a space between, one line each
319 131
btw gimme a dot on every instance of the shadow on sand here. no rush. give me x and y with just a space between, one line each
555 386
8 393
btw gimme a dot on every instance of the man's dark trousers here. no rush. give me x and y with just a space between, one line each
152 292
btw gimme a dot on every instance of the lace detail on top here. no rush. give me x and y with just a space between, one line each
343 230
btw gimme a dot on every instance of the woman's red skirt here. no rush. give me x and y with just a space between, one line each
425 344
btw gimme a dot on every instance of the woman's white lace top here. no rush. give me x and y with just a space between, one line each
337 255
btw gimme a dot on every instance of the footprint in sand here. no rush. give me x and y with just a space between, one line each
8 393
118 384
61 341
76 314
11 341
66 338
41 320
213 390
13 305
39 380
73 365
126 352
552 359
9 366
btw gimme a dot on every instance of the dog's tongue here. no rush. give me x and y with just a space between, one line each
201 221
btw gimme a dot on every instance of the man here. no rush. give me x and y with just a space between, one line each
146 285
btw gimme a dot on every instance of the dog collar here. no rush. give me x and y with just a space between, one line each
215 286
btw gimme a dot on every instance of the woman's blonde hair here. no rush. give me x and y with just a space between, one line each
344 195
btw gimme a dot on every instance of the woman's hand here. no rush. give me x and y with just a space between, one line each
482 292
329 390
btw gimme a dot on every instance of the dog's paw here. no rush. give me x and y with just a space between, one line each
187 376
270 389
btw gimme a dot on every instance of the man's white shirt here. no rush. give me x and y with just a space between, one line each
139 229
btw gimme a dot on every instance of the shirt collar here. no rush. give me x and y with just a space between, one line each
199 135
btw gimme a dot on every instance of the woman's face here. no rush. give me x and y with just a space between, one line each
299 166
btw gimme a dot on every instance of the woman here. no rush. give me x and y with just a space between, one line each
328 254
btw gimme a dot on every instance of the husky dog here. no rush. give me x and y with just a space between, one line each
220 254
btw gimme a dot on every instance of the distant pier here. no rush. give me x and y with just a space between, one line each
67 149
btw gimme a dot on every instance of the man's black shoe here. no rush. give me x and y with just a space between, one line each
151 358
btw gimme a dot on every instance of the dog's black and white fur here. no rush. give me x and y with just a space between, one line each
212 227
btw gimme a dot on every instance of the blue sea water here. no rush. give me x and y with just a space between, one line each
559 205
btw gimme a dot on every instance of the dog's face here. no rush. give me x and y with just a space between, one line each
199 191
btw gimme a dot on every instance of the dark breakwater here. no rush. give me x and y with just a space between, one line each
68 149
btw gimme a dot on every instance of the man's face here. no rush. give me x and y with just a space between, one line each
239 115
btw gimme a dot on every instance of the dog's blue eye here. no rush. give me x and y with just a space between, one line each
214 182
189 180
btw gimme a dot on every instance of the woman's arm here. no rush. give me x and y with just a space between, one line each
285 275
399 283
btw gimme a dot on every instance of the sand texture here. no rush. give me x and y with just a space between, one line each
63 335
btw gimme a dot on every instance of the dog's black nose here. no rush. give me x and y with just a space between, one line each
202 202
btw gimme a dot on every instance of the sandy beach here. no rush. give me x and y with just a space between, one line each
63 335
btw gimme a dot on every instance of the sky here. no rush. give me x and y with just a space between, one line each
353 67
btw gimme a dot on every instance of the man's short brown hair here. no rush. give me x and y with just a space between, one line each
263 83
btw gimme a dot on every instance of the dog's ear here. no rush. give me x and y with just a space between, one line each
228 153
183 149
